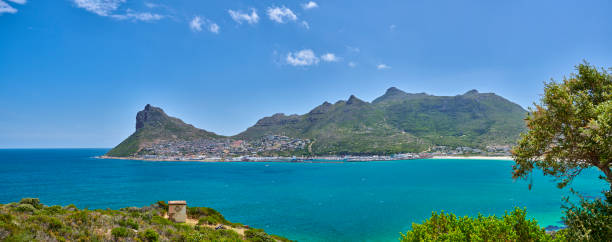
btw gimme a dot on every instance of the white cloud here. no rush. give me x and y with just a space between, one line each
392 27
310 5
18 1
5 8
138 16
352 64
304 57
99 7
330 57
213 27
196 24
239 16
382 67
281 15
305 24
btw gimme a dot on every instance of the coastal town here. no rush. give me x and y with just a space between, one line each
286 149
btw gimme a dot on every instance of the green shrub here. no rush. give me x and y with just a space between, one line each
35 202
199 212
129 223
6 218
149 235
448 227
208 220
51 223
258 235
159 220
25 208
53 210
80 217
591 220
120 232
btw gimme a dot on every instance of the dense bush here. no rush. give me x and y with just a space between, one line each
512 226
258 235
129 223
150 235
35 202
591 220
25 208
120 232
208 220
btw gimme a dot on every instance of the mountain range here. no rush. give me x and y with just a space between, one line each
396 122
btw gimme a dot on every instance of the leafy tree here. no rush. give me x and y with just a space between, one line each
571 129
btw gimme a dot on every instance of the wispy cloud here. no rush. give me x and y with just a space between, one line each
310 5
196 25
108 8
151 5
392 27
5 8
18 1
240 17
352 64
138 16
99 7
330 57
304 57
382 67
281 14
352 49
305 24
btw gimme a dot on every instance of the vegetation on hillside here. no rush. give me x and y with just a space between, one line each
29 220
400 122
513 226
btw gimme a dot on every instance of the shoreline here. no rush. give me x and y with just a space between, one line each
287 160
481 157
313 160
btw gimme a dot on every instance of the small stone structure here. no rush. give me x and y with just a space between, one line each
177 211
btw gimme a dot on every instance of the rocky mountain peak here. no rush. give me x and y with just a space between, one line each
149 114
393 91
354 100
472 92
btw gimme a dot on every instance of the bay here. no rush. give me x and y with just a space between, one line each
365 201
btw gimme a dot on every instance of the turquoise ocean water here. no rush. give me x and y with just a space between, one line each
370 201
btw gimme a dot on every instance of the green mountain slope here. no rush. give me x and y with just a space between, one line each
154 125
393 123
400 122
346 127
471 119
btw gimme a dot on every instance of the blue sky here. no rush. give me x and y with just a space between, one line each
73 73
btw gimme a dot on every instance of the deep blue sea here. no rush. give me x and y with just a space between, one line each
369 201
